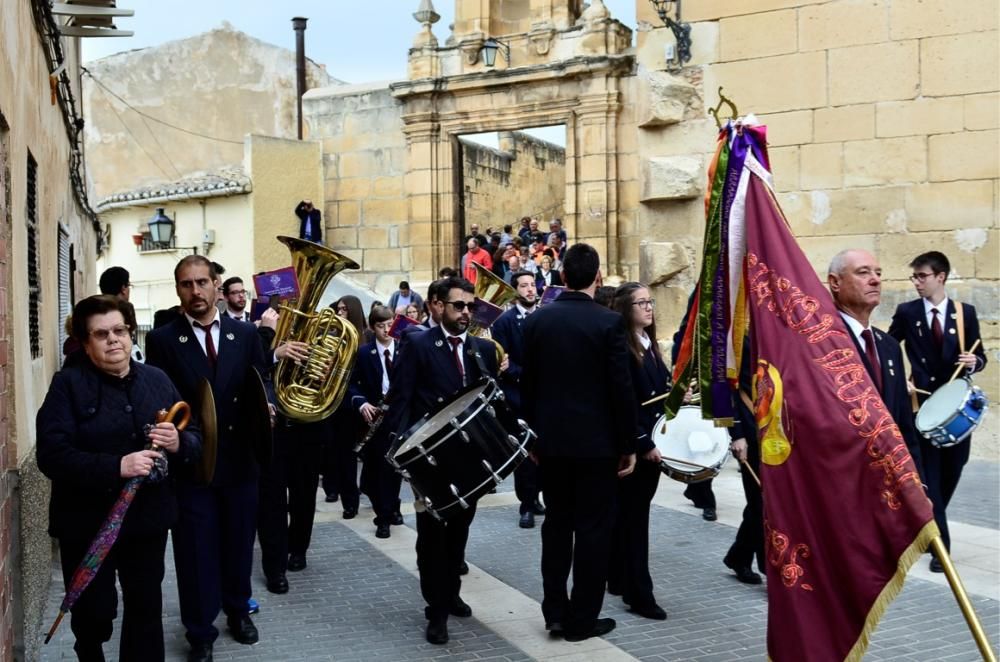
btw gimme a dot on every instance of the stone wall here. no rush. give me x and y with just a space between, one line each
524 177
882 125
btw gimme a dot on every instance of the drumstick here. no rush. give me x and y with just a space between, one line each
961 366
656 399
921 391
746 465
690 464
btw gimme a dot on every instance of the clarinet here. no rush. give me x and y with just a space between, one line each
373 426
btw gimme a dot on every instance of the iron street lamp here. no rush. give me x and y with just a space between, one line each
682 31
490 48
161 228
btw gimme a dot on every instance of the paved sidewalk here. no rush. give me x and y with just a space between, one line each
359 599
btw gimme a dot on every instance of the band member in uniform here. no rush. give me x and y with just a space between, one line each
372 374
508 331
586 448
628 573
432 366
929 326
213 538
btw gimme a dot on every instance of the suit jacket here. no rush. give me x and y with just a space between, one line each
175 350
540 280
930 368
315 223
895 395
650 378
593 415
426 376
366 377
508 330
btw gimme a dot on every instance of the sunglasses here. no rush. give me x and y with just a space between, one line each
461 305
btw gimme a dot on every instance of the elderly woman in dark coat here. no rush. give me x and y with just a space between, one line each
90 443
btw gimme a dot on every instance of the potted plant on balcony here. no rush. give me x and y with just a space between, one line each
137 239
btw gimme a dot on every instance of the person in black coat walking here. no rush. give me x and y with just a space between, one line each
585 449
91 441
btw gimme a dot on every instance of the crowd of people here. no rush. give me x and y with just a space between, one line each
592 473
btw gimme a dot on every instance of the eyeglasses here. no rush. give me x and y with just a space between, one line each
102 335
238 293
649 304
921 276
461 305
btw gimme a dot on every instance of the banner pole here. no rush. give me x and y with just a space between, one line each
937 546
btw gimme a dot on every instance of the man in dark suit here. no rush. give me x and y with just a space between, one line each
310 222
236 299
855 281
508 330
582 452
930 327
432 366
213 539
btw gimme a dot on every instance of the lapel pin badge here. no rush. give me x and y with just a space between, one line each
439 343
918 323
951 330
374 353
230 336
182 339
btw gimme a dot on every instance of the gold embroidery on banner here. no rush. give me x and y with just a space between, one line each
778 548
796 308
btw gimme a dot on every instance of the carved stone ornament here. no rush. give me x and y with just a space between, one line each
541 38
471 47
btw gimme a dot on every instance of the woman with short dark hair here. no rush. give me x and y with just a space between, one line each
91 441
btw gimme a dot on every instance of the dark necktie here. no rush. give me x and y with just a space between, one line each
456 342
936 329
876 367
213 356
388 362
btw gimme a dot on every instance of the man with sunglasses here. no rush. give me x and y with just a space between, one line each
432 366
930 328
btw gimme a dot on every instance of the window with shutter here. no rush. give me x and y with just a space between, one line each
65 280
34 272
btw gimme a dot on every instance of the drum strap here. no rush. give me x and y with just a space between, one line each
960 323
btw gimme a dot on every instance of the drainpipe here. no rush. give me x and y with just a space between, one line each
299 25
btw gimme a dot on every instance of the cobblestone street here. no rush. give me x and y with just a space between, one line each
359 598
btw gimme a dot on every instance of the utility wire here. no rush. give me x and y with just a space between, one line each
136 140
155 119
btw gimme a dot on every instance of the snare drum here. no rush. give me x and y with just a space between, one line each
690 438
950 415
454 456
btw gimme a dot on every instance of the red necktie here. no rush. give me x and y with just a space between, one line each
388 362
456 342
936 329
213 356
876 371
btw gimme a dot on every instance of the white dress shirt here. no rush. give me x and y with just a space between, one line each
381 357
461 350
200 333
856 328
942 309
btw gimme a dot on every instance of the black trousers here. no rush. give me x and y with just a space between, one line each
580 502
440 553
339 462
942 471
305 454
213 554
381 482
138 562
701 493
750 536
629 567
272 511
526 484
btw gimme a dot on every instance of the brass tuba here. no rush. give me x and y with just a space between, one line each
492 289
311 391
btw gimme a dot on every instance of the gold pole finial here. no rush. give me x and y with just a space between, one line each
714 112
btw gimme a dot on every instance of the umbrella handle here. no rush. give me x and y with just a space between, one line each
164 416
52 630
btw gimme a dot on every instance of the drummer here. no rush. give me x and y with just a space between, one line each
934 333
628 575
432 366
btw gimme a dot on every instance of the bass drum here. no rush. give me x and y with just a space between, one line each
455 455
697 450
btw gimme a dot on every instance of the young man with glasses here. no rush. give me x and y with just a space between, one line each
433 365
930 327
236 299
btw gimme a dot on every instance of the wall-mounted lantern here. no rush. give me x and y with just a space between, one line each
161 229
490 49
682 31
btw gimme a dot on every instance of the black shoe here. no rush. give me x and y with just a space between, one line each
277 584
350 513
527 520
200 652
460 608
437 631
463 569
708 514
538 508
243 630
652 611
555 628
382 531
936 565
601 627
296 562
333 497
743 572
397 519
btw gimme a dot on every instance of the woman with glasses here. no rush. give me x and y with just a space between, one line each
546 275
91 441
629 575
